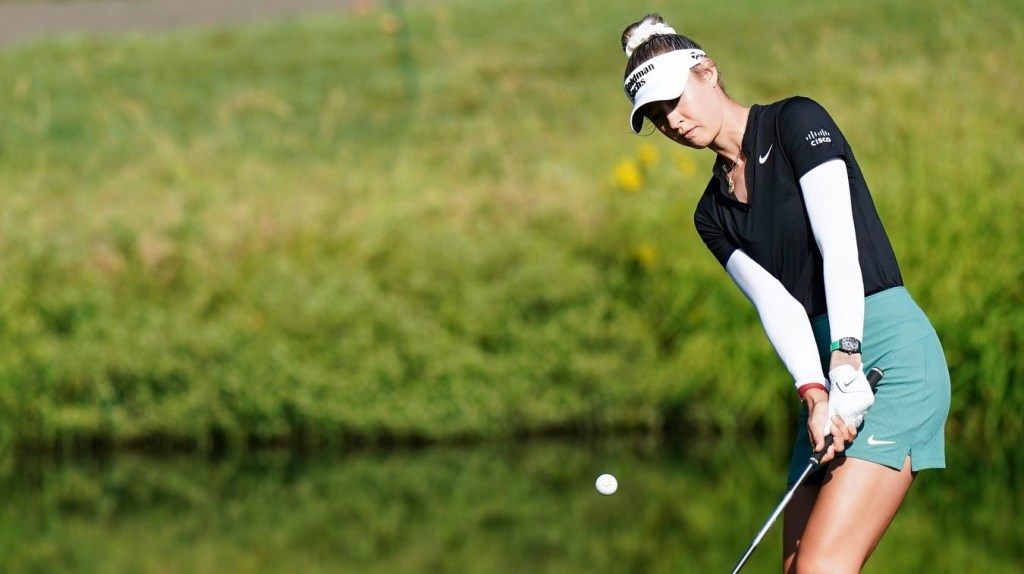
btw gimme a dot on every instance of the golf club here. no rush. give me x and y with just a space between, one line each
873 376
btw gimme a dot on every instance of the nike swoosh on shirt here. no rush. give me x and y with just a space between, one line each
875 442
764 158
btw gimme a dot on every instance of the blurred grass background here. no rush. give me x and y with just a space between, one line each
431 222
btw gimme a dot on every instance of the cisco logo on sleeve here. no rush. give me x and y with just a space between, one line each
818 137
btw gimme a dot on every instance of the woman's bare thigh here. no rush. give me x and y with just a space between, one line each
835 527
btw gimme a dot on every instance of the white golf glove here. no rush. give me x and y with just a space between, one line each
850 396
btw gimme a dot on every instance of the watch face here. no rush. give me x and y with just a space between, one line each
849 345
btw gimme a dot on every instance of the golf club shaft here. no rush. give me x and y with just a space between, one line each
873 376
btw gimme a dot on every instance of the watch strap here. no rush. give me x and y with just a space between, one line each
849 345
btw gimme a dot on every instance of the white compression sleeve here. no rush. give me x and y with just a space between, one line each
783 318
826 191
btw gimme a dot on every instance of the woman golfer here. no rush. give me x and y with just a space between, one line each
788 213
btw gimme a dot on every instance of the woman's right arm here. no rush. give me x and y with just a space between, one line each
789 330
782 316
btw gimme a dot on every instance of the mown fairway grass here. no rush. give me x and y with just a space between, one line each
433 223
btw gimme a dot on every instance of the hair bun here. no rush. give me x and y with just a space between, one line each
645 31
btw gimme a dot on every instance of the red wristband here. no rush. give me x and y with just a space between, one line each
804 388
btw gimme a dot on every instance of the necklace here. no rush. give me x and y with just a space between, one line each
727 171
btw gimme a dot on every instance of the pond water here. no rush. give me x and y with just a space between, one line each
516 507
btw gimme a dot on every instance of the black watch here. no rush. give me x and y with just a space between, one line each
848 345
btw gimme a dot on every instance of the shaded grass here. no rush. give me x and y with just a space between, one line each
407 226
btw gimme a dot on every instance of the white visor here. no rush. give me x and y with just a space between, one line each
659 79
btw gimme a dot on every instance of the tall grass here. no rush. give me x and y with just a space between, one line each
434 224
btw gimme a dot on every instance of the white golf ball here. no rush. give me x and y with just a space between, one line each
606 484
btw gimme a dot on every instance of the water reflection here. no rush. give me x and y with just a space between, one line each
511 507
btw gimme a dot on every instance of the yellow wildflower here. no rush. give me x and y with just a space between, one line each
648 155
646 255
627 175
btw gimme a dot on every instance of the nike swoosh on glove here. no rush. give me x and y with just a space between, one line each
850 396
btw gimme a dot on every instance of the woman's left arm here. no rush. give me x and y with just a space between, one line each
826 192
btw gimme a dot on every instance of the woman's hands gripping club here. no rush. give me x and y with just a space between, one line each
833 418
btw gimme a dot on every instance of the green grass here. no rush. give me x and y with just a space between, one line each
407 226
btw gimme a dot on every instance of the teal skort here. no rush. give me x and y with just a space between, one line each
912 399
